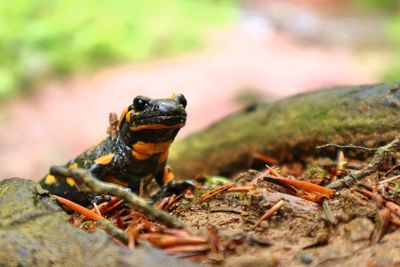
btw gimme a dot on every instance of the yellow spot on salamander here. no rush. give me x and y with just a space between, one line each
50 179
73 166
128 116
151 148
122 117
104 160
70 181
168 175
172 96
140 156
142 150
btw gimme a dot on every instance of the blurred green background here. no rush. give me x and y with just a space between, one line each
391 9
65 64
43 38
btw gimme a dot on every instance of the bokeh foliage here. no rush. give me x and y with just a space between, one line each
42 38
387 5
390 8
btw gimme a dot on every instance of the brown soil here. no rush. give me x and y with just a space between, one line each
299 234
353 227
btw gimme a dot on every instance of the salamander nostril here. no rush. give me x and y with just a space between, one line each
181 99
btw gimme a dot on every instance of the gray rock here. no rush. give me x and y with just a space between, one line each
34 231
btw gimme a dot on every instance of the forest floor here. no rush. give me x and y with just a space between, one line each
277 216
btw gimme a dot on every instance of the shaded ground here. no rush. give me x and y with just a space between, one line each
299 234
313 226
68 116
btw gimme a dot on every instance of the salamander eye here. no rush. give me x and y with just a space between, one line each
140 103
181 99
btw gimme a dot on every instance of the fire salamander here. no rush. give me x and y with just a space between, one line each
135 155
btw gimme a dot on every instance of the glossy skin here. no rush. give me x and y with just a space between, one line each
135 155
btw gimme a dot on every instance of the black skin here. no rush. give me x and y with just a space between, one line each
150 121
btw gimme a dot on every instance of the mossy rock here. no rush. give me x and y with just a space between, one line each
291 128
34 231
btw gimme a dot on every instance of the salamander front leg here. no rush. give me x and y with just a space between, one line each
169 186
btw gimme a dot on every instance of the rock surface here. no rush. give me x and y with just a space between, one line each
35 231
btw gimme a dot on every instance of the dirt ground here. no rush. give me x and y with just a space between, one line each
299 234
310 226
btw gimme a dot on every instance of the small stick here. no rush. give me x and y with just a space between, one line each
214 192
163 203
239 189
186 249
340 159
328 212
265 159
227 210
389 180
373 165
393 207
166 241
90 184
384 217
392 169
172 202
96 208
378 199
112 207
270 212
346 146
214 244
78 208
305 186
273 172
395 221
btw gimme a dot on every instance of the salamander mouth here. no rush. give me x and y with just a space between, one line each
159 122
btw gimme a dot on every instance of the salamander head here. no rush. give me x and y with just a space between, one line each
148 117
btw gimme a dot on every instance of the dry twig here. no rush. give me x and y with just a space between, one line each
347 146
270 212
209 194
88 183
374 164
328 213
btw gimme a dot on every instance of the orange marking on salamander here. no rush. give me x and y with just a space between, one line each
155 127
142 150
168 176
140 156
122 116
151 148
70 181
172 96
50 179
73 166
104 160
128 116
